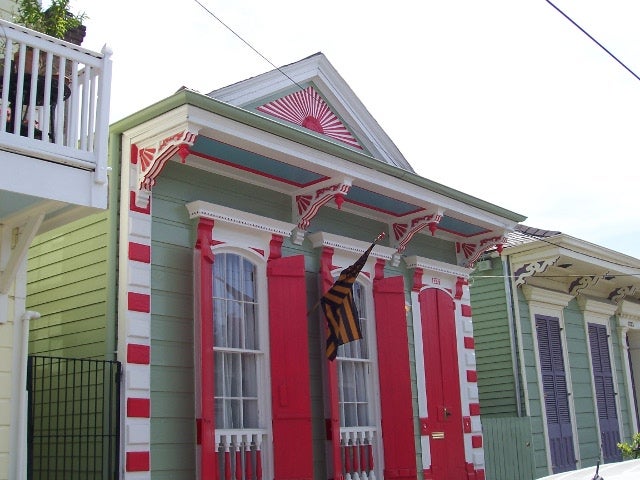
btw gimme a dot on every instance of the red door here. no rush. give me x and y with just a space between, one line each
443 385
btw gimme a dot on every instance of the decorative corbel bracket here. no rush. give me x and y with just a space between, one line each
583 282
151 160
530 269
622 292
404 232
308 204
468 253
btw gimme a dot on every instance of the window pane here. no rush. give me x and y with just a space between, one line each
219 376
354 370
219 323
236 413
249 376
363 414
350 415
249 284
235 327
361 382
250 410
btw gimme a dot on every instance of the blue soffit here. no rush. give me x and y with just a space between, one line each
276 170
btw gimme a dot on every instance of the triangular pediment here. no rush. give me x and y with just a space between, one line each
312 96
308 109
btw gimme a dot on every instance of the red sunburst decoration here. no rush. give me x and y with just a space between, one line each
307 109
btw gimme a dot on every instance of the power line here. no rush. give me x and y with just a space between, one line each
540 239
594 40
247 43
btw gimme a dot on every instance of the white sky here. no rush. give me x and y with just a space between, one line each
503 100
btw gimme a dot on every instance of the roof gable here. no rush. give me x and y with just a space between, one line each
309 110
313 96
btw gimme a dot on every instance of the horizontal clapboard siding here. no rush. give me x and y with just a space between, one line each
172 337
493 344
67 285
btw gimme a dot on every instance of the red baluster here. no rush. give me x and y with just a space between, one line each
370 449
258 463
356 459
363 457
247 461
238 461
347 458
227 463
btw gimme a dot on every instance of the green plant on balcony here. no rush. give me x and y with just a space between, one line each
56 21
630 449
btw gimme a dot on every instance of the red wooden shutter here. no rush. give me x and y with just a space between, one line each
395 381
289 350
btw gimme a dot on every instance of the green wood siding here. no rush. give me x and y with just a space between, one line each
67 285
172 371
507 460
493 343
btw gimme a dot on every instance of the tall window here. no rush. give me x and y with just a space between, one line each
355 371
237 344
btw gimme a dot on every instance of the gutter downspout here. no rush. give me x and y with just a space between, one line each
508 286
21 337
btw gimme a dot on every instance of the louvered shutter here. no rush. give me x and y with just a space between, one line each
556 398
605 393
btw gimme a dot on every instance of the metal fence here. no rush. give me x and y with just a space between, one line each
73 424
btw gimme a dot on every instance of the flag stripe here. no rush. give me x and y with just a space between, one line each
340 311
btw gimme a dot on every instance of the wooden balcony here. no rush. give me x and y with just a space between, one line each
54 124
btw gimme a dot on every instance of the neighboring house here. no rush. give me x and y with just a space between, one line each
53 172
557 336
236 212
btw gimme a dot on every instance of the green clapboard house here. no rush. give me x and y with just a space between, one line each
230 215
557 332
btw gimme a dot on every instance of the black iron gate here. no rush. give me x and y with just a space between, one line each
73 424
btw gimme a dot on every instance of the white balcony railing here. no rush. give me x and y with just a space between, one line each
55 99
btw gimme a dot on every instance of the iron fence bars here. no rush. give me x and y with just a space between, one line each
73 424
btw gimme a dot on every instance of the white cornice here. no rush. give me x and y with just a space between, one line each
629 310
200 209
346 244
415 261
596 307
543 296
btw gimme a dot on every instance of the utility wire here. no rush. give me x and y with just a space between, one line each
246 43
597 43
378 145
540 239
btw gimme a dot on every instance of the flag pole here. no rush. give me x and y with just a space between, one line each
376 240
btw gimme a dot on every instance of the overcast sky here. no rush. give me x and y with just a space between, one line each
503 100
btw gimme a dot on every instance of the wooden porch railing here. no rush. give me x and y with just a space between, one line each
357 450
54 101
241 455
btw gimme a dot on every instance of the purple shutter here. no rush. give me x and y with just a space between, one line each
556 399
605 394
